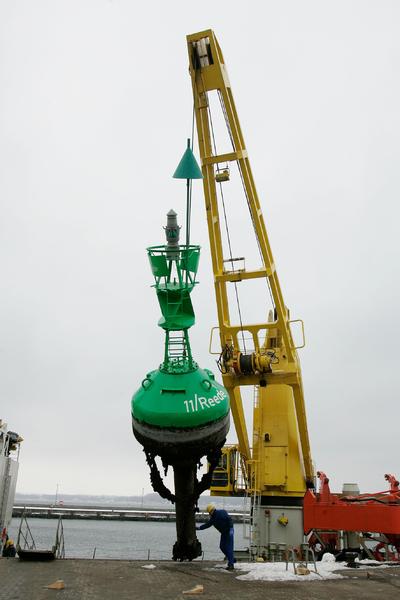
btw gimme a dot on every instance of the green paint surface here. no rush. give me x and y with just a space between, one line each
188 167
181 401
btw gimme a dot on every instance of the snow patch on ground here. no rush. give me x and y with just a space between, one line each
276 571
328 558
366 562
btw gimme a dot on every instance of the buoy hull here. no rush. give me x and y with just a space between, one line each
177 444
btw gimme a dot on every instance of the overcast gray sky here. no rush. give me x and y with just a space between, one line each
95 108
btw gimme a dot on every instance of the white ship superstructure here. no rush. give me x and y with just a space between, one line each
9 456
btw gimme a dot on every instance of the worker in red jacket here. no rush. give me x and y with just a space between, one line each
221 520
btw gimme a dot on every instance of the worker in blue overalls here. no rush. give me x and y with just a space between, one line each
9 550
224 524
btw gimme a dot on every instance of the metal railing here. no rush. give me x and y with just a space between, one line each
26 542
59 546
25 534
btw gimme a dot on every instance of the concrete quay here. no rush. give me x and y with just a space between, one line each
104 579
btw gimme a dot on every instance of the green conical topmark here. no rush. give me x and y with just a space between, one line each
188 167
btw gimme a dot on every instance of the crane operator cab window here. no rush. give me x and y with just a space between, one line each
224 476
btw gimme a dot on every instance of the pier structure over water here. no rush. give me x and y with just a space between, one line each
103 513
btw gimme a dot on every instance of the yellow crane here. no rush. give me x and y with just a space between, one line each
276 468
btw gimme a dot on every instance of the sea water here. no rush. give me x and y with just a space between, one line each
129 540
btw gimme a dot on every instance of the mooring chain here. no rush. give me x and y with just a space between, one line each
199 486
156 479
205 482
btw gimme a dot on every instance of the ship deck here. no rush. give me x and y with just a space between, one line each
104 579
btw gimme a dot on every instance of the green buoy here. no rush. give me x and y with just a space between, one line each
178 395
180 413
